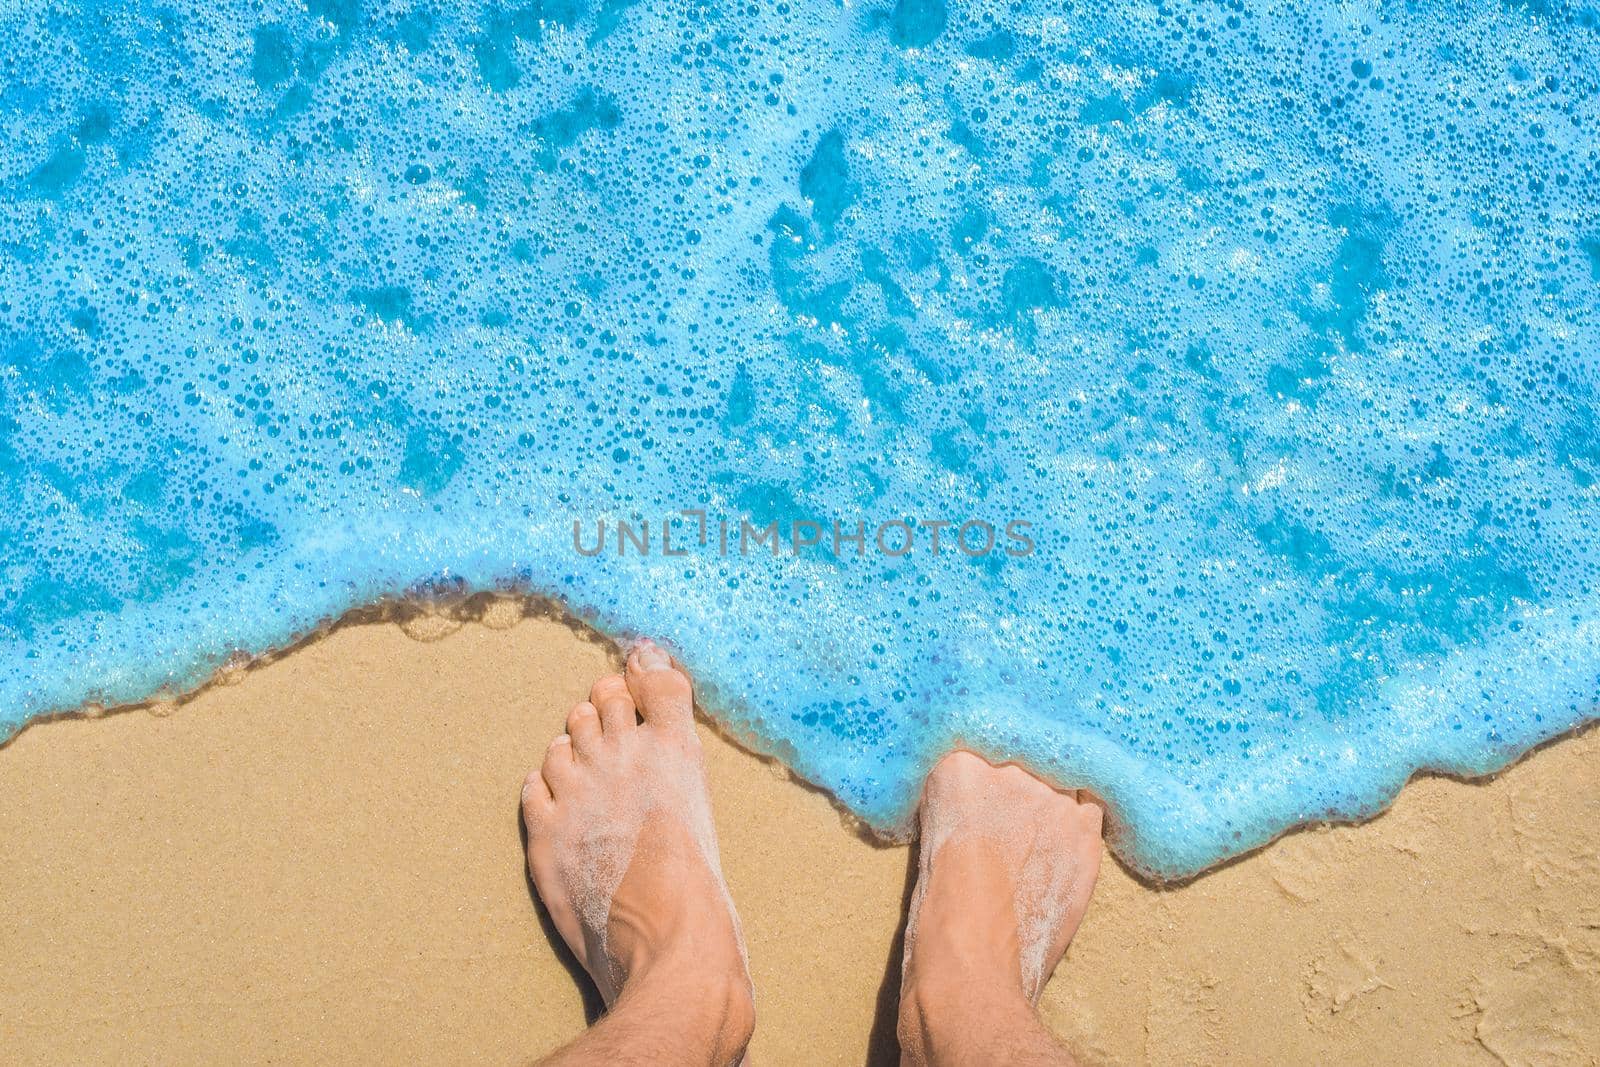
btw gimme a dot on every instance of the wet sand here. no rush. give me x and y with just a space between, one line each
319 859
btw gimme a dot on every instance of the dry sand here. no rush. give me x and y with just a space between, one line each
319 859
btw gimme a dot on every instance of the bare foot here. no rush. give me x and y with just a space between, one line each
624 854
1005 871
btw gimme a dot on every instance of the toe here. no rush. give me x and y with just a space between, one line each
956 774
559 766
959 764
662 691
1091 810
583 726
536 799
610 695
1089 818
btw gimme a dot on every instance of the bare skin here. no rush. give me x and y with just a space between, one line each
622 851
623 854
1005 871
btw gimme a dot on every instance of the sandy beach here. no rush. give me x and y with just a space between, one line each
319 858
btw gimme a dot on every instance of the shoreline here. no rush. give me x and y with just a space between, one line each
432 611
318 856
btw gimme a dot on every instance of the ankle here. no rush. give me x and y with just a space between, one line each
685 943
712 1002
944 1019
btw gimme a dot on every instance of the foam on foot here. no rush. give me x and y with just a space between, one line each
1006 866
620 839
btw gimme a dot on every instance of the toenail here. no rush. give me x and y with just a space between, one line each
652 658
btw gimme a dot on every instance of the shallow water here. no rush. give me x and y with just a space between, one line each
1263 338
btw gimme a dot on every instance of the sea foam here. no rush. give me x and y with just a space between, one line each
1264 339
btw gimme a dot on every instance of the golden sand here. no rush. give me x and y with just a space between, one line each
319 860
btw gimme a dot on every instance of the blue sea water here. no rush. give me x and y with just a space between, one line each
1263 338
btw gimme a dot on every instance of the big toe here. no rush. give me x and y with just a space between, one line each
960 765
957 777
661 690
